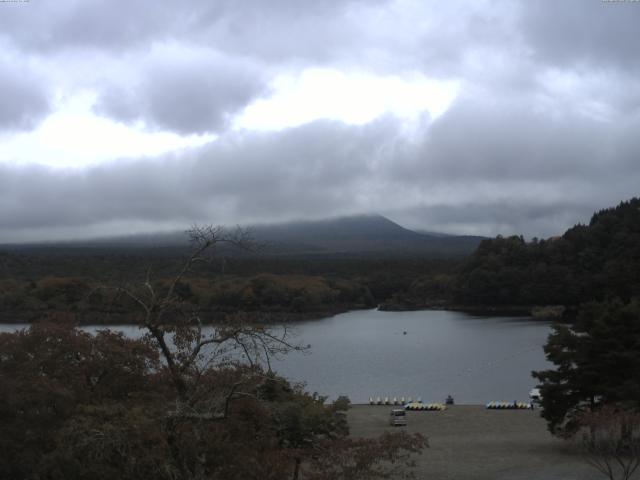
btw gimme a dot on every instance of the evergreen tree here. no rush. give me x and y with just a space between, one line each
589 262
597 363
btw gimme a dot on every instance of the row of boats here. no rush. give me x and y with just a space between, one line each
393 401
410 404
510 405
437 407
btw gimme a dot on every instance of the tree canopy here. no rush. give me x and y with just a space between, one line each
597 362
589 262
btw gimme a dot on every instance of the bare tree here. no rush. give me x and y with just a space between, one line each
610 440
188 349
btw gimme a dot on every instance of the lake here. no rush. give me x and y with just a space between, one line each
366 353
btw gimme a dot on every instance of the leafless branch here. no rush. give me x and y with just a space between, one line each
611 441
164 313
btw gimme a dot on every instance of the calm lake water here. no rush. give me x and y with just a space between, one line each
366 353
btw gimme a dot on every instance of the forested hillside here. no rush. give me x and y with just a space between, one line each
589 262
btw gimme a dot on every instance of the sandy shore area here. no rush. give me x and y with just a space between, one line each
471 442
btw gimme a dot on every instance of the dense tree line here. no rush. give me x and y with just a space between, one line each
265 293
36 282
118 262
589 262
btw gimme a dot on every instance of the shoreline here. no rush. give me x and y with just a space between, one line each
213 318
266 318
537 312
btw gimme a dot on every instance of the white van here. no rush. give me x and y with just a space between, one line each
398 418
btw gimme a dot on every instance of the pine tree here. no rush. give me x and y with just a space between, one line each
597 363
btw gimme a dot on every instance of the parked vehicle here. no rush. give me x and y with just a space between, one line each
398 418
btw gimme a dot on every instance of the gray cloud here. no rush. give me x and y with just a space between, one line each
319 170
513 217
493 141
193 91
51 25
543 132
304 171
181 68
379 35
264 28
577 32
24 100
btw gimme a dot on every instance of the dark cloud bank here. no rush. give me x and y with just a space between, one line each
544 129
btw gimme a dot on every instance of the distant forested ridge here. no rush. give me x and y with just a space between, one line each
301 270
589 262
44 281
597 261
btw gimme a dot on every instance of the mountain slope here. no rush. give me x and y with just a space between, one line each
363 234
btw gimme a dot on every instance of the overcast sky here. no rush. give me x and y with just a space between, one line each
479 117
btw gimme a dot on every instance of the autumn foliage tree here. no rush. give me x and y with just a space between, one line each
51 372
